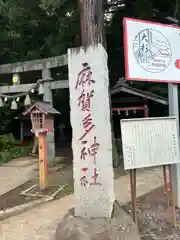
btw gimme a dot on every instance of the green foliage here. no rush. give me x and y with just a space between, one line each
15 152
10 150
20 151
44 28
6 141
5 156
5 119
36 29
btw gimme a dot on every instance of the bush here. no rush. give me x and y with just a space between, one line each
6 141
20 151
5 156
16 152
10 148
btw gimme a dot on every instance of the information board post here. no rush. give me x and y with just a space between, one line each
175 168
148 142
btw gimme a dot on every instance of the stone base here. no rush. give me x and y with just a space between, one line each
119 227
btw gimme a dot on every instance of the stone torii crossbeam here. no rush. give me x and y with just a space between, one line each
43 65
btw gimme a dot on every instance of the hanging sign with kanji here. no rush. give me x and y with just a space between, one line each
91 143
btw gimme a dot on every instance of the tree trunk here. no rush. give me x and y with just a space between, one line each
92 22
92 32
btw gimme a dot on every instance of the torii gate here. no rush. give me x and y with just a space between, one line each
44 65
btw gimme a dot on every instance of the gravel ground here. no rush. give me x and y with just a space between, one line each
154 217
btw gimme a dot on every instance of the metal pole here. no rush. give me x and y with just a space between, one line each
174 111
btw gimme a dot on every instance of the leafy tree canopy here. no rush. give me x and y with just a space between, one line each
43 28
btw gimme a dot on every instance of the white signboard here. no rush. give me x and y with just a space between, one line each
91 143
151 51
149 142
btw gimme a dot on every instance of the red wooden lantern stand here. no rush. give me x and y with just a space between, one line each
43 164
42 119
42 123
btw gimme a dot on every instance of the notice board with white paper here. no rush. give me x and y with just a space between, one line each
149 142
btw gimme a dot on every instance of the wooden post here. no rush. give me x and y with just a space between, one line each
165 182
133 193
172 197
43 165
166 189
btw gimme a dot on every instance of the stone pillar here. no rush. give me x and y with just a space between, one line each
92 143
46 74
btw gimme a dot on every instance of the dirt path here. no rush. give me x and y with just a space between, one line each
37 223
16 173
